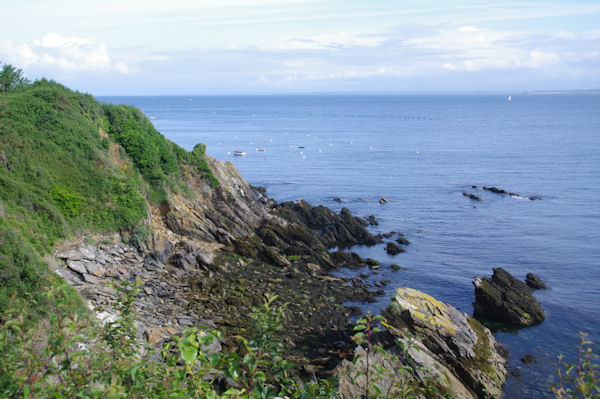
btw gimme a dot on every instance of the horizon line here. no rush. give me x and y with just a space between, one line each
334 93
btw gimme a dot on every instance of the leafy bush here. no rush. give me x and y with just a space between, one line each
578 380
147 148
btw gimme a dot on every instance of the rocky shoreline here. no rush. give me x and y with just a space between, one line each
212 256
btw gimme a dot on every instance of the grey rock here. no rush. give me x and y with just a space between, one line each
88 278
205 259
94 268
451 340
77 266
72 255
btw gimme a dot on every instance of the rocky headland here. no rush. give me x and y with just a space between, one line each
212 256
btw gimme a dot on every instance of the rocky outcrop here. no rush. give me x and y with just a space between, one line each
534 282
506 299
162 308
454 348
341 230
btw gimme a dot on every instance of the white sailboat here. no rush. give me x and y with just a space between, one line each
509 98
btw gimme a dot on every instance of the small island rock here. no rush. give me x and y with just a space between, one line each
506 299
393 249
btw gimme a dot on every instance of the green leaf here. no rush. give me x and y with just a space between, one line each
188 352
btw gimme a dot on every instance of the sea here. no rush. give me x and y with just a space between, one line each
422 152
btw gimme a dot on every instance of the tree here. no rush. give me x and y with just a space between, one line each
12 78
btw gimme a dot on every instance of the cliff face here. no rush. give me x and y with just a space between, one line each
208 218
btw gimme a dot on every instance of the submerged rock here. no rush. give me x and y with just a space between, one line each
403 241
454 348
534 282
472 196
506 299
372 221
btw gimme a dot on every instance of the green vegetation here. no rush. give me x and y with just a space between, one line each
12 79
578 380
62 175
74 356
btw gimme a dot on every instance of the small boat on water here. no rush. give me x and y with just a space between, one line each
509 98
239 153
261 149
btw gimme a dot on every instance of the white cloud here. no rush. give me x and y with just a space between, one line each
55 51
470 48
341 40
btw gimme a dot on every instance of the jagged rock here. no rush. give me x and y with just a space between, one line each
337 230
454 347
393 249
506 299
183 260
162 247
534 282
347 259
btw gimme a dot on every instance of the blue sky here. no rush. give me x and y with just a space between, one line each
135 47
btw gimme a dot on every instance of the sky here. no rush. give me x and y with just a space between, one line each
183 47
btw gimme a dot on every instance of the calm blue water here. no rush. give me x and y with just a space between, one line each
421 152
